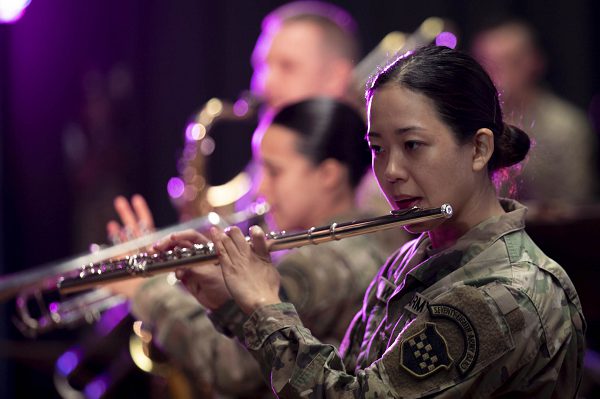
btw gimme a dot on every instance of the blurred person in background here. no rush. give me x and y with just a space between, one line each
561 168
560 174
305 49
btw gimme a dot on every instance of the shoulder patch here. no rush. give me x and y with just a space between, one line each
466 333
470 337
425 352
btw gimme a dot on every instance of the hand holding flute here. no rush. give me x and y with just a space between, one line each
245 275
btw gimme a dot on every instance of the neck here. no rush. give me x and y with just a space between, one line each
332 206
478 208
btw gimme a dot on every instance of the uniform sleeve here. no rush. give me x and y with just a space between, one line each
183 331
327 285
458 346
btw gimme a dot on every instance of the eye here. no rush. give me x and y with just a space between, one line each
270 171
287 66
412 145
375 149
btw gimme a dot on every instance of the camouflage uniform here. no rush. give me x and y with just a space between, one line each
490 316
325 283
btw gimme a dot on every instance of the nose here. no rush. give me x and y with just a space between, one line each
395 169
270 82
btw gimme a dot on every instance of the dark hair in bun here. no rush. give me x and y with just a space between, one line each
328 129
510 147
463 94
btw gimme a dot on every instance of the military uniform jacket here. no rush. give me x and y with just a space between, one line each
326 283
491 316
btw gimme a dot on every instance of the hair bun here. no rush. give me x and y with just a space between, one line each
512 146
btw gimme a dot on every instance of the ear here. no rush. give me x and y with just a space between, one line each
331 173
483 148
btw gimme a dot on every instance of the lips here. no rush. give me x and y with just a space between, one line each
406 202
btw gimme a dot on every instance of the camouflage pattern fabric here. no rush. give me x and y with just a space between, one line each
491 316
326 283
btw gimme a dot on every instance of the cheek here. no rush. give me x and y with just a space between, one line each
265 187
285 193
451 183
378 168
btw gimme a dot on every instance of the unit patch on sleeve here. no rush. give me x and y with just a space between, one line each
471 339
425 352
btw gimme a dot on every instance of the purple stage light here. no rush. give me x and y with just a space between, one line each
111 318
53 307
240 108
96 388
12 10
67 362
447 39
195 131
175 187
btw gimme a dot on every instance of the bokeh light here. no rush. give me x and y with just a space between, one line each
96 388
195 132
175 187
12 10
240 108
447 39
67 362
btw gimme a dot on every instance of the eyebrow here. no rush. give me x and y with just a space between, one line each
397 131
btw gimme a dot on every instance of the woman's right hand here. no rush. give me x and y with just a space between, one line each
251 278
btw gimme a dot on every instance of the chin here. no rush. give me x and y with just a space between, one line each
423 227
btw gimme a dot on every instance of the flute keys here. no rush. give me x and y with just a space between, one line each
136 264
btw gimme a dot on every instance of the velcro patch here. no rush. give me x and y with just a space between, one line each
425 352
471 339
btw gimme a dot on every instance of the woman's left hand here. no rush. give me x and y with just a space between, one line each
204 282
251 278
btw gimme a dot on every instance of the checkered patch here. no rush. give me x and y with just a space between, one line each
425 352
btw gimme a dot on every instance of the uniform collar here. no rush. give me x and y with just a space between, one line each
468 246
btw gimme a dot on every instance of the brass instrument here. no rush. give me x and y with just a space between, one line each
199 193
146 265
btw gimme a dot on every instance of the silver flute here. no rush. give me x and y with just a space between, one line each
145 265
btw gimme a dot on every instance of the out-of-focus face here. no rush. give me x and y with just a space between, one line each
291 65
289 182
509 58
416 158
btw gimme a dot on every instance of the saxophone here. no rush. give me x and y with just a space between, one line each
212 175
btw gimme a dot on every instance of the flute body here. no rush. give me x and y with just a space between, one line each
146 265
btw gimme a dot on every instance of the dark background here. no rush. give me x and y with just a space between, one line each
94 97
